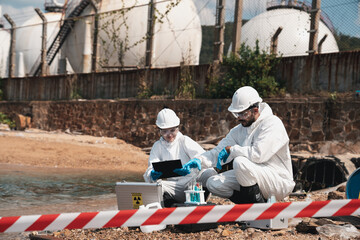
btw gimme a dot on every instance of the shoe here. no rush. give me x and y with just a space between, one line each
251 194
168 200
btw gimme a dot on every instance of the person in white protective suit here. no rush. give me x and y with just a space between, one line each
174 145
259 149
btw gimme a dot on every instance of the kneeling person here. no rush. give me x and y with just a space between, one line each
174 145
259 148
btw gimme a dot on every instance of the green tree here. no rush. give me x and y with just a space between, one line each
251 67
346 42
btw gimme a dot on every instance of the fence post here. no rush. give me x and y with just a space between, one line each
150 33
43 42
314 26
12 45
219 31
95 37
237 26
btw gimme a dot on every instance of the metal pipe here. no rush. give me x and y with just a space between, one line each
274 40
321 42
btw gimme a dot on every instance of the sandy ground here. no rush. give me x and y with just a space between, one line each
57 149
65 150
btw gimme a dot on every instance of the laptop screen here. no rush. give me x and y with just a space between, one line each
131 195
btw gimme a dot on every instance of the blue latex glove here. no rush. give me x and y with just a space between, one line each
223 155
185 170
155 175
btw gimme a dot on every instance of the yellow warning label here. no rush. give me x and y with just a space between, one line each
137 200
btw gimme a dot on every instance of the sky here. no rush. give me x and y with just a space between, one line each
21 10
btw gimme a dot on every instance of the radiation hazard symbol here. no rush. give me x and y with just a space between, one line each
137 200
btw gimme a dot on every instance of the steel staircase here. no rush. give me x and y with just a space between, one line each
64 31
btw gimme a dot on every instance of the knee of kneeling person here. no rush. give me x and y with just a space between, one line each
241 164
210 184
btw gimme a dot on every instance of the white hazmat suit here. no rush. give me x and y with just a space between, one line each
261 156
183 148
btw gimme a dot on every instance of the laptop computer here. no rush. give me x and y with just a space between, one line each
131 195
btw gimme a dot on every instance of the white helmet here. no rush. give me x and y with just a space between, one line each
167 118
243 98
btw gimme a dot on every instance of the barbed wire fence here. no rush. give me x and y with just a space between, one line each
340 16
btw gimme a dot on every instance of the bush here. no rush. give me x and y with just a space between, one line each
251 67
186 88
5 120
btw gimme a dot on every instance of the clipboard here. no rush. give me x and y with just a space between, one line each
167 167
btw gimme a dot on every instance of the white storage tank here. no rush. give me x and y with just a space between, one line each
28 43
4 52
294 37
122 35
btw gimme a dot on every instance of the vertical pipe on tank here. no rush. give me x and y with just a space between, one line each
322 40
86 64
20 66
274 41
43 42
12 45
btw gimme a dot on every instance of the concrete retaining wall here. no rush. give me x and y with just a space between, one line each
307 120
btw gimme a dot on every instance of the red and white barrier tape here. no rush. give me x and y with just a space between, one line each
180 215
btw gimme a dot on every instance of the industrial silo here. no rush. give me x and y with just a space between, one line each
4 49
293 39
122 35
4 52
28 43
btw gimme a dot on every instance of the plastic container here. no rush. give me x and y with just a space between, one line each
353 186
151 228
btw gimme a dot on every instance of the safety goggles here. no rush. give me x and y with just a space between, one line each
244 114
169 131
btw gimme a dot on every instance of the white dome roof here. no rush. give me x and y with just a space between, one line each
176 39
29 38
293 39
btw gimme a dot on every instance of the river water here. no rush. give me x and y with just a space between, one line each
24 186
